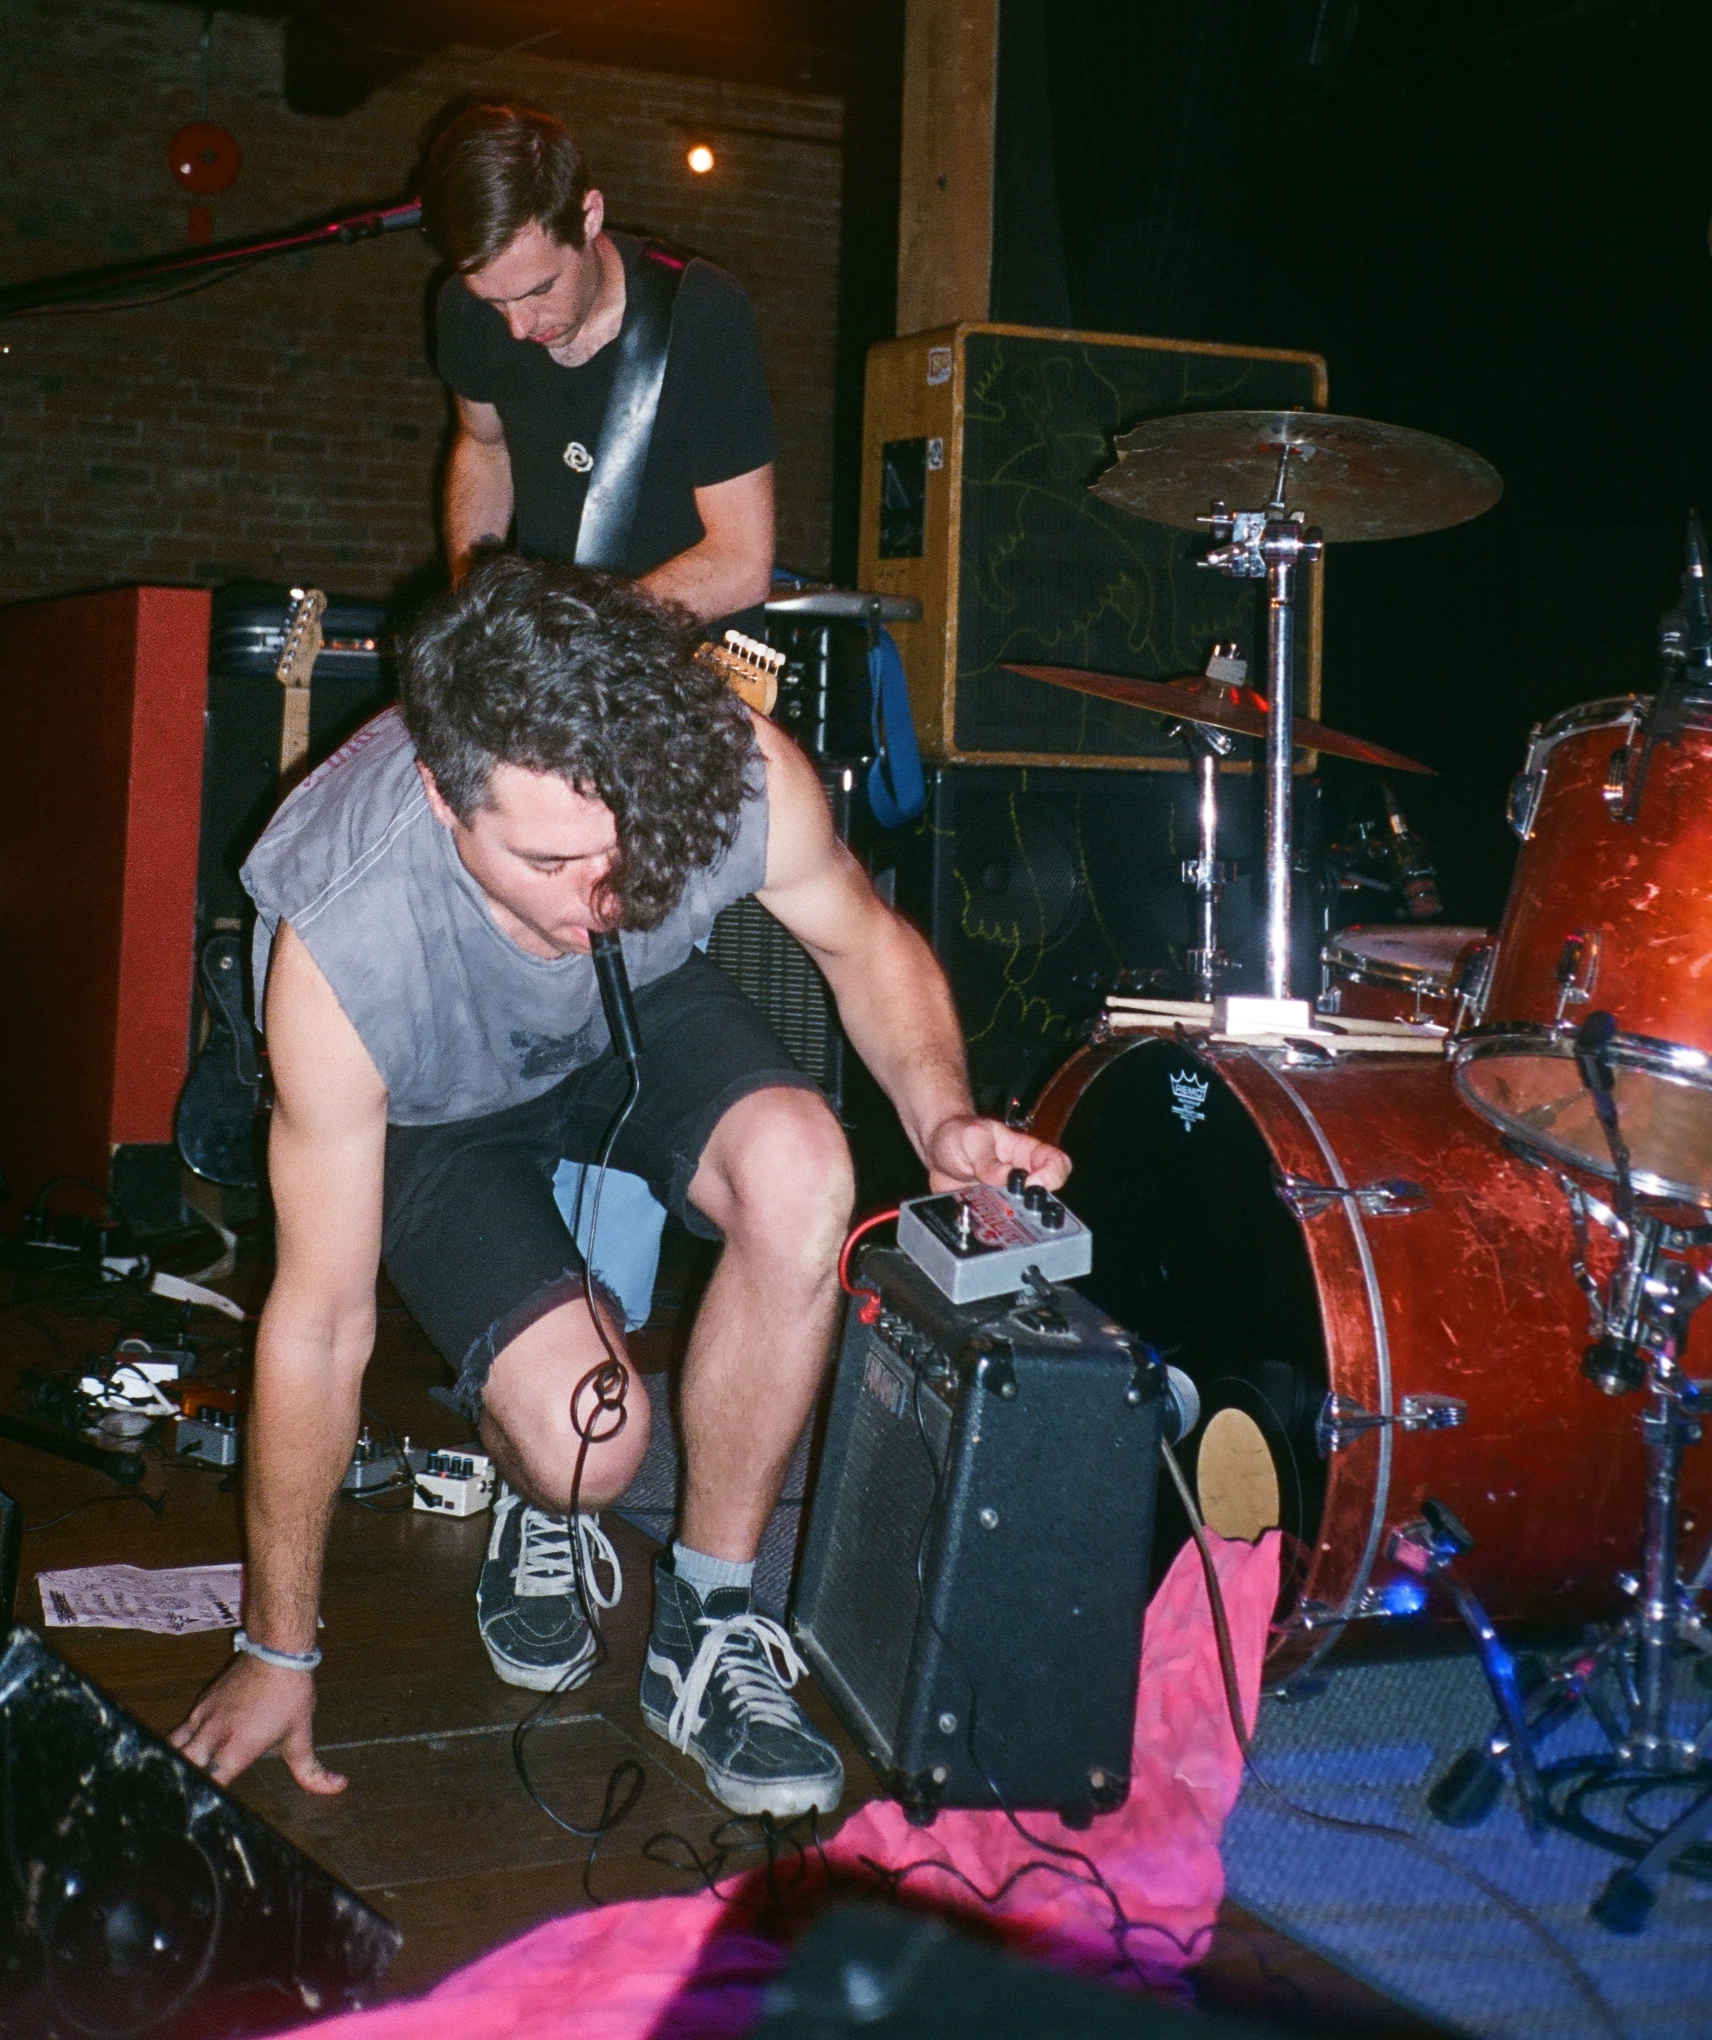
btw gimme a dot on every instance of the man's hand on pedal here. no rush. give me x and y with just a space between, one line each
974 1150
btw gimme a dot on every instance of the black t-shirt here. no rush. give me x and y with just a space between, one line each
714 421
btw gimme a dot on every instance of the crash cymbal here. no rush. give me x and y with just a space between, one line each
1225 708
1354 477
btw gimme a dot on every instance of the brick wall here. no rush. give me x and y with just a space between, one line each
288 424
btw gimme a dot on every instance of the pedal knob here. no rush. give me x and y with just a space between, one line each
1017 1182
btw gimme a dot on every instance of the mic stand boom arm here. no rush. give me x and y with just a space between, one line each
55 293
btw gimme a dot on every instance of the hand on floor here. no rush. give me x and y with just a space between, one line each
250 1710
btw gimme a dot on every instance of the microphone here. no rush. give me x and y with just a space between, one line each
1412 868
615 995
1593 1061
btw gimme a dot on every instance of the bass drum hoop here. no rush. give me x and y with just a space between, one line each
1275 1107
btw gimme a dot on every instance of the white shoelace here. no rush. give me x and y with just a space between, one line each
544 1558
757 1686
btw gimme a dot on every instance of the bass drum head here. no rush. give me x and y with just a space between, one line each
1195 1252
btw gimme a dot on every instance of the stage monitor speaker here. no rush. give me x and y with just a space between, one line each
883 1973
776 971
978 445
1041 891
141 1901
979 1541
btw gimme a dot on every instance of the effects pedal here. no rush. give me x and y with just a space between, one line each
981 1241
372 1466
210 1438
450 1483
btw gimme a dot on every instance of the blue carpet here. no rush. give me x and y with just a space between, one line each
1369 1748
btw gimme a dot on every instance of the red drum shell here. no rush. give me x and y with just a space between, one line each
1408 973
1639 896
1472 1297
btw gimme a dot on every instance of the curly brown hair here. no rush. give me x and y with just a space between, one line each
557 668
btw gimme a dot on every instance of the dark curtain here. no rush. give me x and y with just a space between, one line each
1492 222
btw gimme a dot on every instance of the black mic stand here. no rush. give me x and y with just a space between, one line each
87 289
1627 1680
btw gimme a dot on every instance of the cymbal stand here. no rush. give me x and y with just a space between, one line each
1270 545
1207 962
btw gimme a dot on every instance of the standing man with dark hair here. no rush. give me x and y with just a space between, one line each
610 398
562 766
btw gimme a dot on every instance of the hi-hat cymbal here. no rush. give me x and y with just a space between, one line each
1354 477
1225 708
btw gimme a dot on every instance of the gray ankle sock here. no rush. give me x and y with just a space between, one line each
706 1575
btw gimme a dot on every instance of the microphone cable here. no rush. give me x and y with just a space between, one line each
598 1414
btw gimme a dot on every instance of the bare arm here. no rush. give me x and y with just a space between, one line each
892 996
326 1152
478 484
732 566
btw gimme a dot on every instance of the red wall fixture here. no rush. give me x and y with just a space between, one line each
101 720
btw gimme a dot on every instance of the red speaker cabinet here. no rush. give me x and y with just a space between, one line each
101 715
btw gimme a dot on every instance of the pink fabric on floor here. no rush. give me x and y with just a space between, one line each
694 1968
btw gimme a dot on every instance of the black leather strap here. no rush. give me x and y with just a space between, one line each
615 487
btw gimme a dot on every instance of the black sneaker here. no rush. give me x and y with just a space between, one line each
526 1599
714 1685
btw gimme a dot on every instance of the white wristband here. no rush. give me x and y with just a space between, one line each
281 1660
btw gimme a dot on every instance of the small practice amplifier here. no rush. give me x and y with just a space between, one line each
978 1546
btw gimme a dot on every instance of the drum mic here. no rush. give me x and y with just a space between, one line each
1412 869
1593 1060
615 995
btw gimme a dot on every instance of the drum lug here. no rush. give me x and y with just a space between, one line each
1615 791
1342 1420
1577 969
1391 1197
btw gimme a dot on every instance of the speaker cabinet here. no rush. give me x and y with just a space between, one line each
979 442
141 1900
1041 891
778 974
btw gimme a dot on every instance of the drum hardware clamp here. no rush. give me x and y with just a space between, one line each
1391 1197
1342 1420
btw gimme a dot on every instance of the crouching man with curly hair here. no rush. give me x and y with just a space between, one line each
562 765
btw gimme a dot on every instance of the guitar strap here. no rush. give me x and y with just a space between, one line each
615 487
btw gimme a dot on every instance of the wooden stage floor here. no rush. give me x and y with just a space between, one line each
436 1829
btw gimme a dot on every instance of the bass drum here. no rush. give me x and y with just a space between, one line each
1318 1247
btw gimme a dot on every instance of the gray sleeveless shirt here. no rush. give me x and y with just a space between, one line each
459 1020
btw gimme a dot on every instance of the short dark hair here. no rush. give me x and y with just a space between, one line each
494 169
560 669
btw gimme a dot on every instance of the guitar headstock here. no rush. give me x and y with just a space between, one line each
748 667
302 645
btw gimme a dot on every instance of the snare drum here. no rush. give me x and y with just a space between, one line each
1606 914
1376 1300
1412 974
